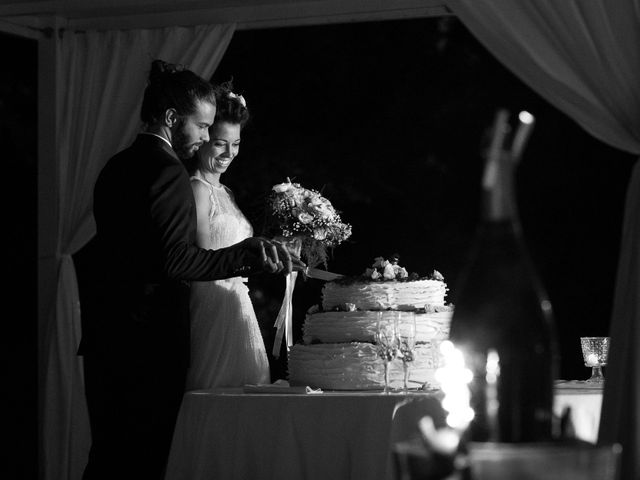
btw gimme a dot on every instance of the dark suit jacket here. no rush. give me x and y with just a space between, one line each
134 275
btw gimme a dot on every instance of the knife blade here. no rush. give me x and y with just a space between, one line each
321 274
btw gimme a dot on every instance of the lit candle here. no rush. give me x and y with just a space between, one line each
592 359
522 134
454 378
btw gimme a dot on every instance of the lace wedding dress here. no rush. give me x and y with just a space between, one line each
226 344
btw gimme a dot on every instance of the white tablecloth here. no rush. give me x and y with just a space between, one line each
585 401
227 434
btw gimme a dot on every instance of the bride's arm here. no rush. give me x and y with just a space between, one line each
202 196
172 215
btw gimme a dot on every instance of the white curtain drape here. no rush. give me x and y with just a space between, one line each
100 78
620 420
583 56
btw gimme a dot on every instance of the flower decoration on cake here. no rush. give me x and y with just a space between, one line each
436 275
304 215
383 269
387 269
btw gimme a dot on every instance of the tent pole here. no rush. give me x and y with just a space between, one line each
48 224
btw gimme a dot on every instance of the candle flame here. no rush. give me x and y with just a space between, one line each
454 378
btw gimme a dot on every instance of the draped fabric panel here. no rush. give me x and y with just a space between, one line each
100 78
620 419
584 58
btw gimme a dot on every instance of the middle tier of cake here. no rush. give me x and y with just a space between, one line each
360 326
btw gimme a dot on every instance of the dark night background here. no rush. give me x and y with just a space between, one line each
18 137
387 120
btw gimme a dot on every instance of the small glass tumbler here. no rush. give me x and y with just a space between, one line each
595 351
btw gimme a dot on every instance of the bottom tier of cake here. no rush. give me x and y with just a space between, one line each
356 366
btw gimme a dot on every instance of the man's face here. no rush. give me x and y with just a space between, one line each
192 130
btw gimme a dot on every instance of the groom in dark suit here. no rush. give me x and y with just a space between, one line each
134 293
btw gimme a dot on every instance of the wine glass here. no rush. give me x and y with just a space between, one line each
386 343
407 344
595 351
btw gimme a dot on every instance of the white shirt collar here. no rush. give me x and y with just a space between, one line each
159 136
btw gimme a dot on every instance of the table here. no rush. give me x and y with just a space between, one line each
228 434
585 401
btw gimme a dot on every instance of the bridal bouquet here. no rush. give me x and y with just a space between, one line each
306 220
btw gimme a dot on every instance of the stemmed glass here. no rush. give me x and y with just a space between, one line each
407 344
386 343
595 351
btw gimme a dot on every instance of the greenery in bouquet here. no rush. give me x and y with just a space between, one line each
304 215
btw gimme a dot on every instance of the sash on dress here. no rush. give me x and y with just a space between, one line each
284 320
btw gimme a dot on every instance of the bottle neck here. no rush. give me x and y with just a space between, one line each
498 191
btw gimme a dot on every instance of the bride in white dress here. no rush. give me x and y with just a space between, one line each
227 348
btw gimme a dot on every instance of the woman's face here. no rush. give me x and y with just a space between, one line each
223 146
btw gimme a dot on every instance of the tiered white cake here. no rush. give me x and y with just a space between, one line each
339 353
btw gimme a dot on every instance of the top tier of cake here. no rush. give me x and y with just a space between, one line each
394 295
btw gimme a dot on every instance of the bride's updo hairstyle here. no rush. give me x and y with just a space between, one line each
230 107
173 86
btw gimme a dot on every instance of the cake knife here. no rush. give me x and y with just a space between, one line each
321 274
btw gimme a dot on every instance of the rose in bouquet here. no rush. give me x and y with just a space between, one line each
305 219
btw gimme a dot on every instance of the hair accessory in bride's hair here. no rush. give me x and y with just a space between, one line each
240 98
166 67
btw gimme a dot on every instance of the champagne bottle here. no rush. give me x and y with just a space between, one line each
503 321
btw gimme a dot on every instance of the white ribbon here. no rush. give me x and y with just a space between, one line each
284 321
